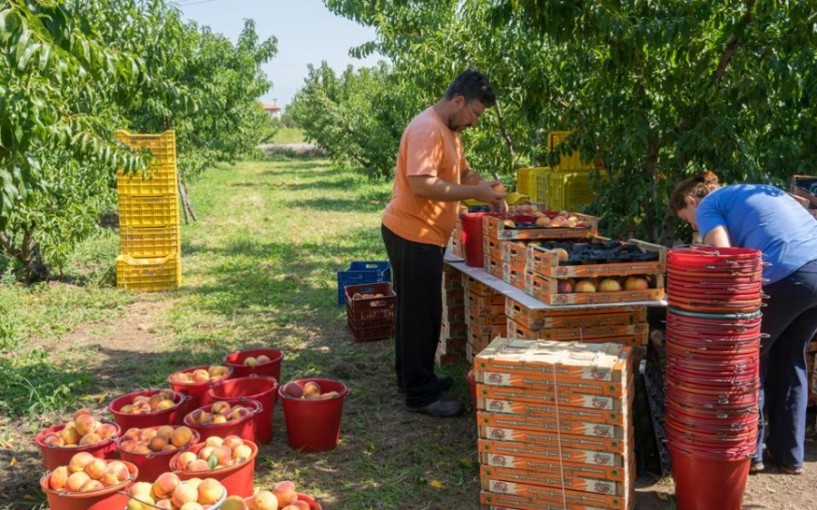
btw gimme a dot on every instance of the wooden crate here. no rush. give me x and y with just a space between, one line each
513 276
637 337
545 262
538 319
546 290
494 227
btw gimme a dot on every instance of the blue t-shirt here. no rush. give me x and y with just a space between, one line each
765 218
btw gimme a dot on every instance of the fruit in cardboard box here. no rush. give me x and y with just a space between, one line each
542 221
609 285
562 254
585 286
636 283
565 286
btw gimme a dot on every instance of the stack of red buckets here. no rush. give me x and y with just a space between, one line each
712 372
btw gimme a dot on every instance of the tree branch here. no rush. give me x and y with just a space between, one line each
732 44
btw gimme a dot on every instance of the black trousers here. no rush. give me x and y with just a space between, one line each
417 273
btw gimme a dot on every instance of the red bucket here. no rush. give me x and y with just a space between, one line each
197 391
271 368
472 238
683 392
309 500
153 464
108 498
313 425
243 427
262 389
167 416
56 456
704 483
237 479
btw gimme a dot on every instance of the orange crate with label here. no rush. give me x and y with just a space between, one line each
538 319
554 478
547 290
560 466
513 277
639 335
501 228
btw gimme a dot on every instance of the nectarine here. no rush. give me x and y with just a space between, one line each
285 492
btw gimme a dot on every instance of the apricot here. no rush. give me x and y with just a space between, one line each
181 436
233 441
294 390
165 404
141 502
157 444
184 493
108 478
198 465
242 452
234 503
200 375
70 436
220 407
80 411
214 441
96 468
91 485
89 439
165 484
285 492
85 424
250 361
58 477
210 491
298 505
311 388
79 461
119 469
52 439
140 490
223 455
264 500
106 430
263 359
76 480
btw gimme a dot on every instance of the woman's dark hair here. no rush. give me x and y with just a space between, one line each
472 85
697 186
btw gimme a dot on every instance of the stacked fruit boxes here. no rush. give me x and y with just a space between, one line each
621 324
555 425
149 233
484 315
453 330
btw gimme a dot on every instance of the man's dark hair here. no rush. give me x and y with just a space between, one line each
472 85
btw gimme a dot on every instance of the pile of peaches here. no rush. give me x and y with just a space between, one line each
283 496
169 492
310 390
164 438
142 404
200 375
82 430
85 473
220 412
251 361
216 453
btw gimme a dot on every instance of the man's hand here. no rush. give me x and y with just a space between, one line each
490 192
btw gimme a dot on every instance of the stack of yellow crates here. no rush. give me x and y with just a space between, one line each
149 233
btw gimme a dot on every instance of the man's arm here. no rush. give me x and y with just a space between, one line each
468 176
433 187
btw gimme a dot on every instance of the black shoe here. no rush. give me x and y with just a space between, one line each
441 408
446 383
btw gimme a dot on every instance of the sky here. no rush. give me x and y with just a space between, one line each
307 33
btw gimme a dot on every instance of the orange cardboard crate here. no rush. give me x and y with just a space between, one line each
563 412
488 331
539 319
513 277
492 248
577 440
500 501
583 334
474 286
452 279
493 304
517 331
558 360
551 495
515 253
493 267
546 263
553 479
535 395
618 474
563 387
551 451
494 227
546 290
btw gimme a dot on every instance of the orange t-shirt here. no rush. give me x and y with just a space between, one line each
427 147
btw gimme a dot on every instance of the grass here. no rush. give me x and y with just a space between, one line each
259 270
288 135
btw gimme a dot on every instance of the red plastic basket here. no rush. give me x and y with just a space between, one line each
371 318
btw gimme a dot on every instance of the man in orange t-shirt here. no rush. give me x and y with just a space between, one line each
431 178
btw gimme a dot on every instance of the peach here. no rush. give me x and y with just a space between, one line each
205 452
155 399
79 461
218 371
165 484
132 433
264 500
91 485
239 412
69 435
285 492
127 445
311 388
219 418
142 449
118 468
293 389
148 433
108 478
76 480
262 359
106 430
233 441
165 504
220 407
80 411
169 448
52 439
184 493
85 424
250 361
165 431
141 502
242 452
193 482
297 505
165 404
192 506
96 468
140 490
223 455
214 441
234 503
157 444
197 466
609 285
89 439
200 375
210 491
328 394
58 477
185 458
181 436
636 283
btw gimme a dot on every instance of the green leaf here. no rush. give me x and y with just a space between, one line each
22 62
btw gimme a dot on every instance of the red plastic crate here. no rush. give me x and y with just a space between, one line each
371 318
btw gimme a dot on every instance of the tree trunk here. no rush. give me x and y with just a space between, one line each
28 255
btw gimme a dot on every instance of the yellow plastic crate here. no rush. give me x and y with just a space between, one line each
526 179
149 274
570 191
567 162
143 242
533 178
161 175
148 211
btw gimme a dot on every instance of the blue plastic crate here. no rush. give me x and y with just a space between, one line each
362 271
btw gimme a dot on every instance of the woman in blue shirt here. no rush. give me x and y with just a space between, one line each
768 219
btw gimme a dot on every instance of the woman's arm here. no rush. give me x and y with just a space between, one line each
718 237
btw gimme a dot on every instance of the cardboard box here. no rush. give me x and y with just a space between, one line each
495 228
582 318
546 494
546 289
536 395
588 436
564 412
554 479
552 451
545 262
627 334
615 473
